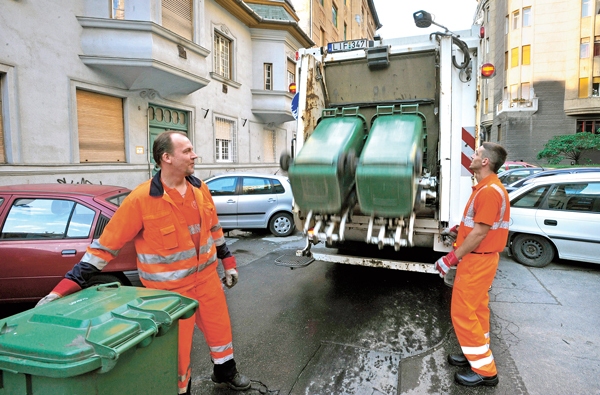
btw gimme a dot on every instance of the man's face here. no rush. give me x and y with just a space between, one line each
183 157
477 159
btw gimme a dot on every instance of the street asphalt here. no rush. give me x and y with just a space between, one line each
545 333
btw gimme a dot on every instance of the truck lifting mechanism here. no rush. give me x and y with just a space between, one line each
385 133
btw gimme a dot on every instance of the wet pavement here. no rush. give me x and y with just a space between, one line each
339 329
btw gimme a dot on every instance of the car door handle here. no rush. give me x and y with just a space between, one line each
230 201
271 200
68 252
550 222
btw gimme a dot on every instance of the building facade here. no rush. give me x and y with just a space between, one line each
547 59
86 87
328 21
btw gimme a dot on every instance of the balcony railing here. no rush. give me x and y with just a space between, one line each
517 105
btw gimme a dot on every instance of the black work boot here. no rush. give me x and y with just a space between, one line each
227 374
458 360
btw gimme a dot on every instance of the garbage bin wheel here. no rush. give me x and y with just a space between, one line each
284 161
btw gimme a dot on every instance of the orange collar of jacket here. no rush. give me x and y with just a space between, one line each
156 186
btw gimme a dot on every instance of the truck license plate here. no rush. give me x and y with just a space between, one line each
349 45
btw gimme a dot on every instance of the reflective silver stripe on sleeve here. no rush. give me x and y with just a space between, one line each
96 244
216 227
206 247
194 229
93 260
220 241
221 348
159 259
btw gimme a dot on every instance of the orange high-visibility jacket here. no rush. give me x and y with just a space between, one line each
166 254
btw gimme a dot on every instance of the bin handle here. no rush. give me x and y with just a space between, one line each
110 355
105 287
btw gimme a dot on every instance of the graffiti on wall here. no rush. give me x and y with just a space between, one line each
83 181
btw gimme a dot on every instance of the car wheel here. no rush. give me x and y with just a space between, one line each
104 278
531 250
281 224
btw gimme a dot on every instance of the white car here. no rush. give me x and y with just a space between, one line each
556 216
253 201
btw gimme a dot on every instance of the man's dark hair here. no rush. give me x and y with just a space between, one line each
495 153
162 144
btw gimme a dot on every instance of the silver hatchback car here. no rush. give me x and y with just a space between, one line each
253 201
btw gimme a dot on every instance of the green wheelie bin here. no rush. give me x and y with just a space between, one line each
320 176
389 166
107 339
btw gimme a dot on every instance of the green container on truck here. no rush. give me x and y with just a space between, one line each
319 175
108 339
389 166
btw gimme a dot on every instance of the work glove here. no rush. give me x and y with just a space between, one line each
63 288
450 234
231 274
444 264
231 278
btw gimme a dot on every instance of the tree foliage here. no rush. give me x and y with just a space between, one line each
569 146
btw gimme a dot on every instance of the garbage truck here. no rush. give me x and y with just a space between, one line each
385 134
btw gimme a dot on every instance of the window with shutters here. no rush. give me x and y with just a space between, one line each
291 72
222 56
100 128
514 57
118 9
268 71
269 146
526 54
583 87
177 16
225 140
2 152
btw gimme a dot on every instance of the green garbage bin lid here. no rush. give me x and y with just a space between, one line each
87 330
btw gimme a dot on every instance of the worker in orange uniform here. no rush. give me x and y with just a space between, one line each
178 238
480 237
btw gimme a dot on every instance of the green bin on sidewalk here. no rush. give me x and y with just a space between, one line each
107 339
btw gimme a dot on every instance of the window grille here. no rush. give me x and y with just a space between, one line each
225 140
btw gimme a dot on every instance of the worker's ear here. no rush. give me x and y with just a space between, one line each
165 157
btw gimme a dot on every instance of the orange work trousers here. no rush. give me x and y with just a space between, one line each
470 312
212 318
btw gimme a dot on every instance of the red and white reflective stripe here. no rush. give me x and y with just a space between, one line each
468 148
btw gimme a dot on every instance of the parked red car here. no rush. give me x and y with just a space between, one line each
45 230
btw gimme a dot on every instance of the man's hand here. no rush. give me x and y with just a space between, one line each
63 288
444 264
231 278
47 299
450 234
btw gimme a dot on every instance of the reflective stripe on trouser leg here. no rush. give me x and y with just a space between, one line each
470 312
213 319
